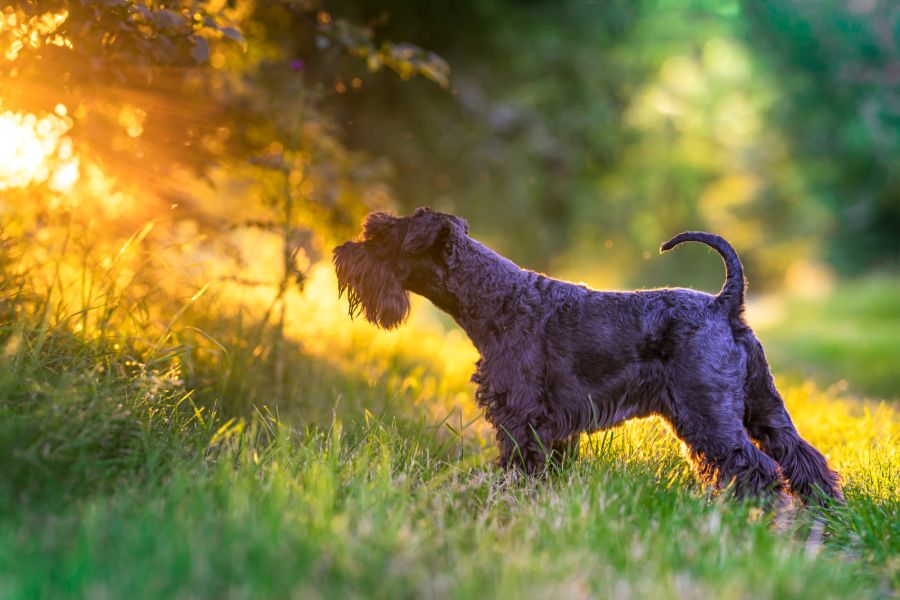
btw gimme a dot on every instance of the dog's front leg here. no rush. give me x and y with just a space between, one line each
521 436
565 450
519 450
510 392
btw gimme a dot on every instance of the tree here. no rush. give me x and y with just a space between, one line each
160 94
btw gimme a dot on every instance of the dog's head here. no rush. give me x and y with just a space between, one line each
396 255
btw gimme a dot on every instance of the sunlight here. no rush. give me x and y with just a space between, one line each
35 150
31 31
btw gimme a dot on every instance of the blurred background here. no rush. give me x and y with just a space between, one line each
173 175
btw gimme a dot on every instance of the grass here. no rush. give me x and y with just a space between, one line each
200 467
379 510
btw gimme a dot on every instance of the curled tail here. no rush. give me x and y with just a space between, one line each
732 294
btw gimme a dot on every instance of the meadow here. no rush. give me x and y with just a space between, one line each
371 474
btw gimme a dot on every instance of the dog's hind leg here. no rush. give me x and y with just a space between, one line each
719 446
768 422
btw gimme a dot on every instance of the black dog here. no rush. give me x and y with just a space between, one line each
560 359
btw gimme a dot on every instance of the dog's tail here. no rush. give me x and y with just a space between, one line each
732 294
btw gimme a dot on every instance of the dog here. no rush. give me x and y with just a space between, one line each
559 359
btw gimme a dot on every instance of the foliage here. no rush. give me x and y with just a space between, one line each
534 113
599 128
157 95
126 71
837 65
603 128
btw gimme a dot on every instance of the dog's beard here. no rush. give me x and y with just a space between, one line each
372 288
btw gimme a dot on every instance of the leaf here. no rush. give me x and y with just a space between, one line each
235 35
200 50
435 69
164 19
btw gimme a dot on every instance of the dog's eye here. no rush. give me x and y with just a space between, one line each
447 251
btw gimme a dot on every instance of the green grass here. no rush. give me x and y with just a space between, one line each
374 512
129 476
129 508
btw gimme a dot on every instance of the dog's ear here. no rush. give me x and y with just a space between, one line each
377 224
427 228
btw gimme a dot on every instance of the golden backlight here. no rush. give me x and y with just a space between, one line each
36 150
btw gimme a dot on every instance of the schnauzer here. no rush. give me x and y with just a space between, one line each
560 359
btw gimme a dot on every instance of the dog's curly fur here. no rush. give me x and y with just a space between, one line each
560 359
